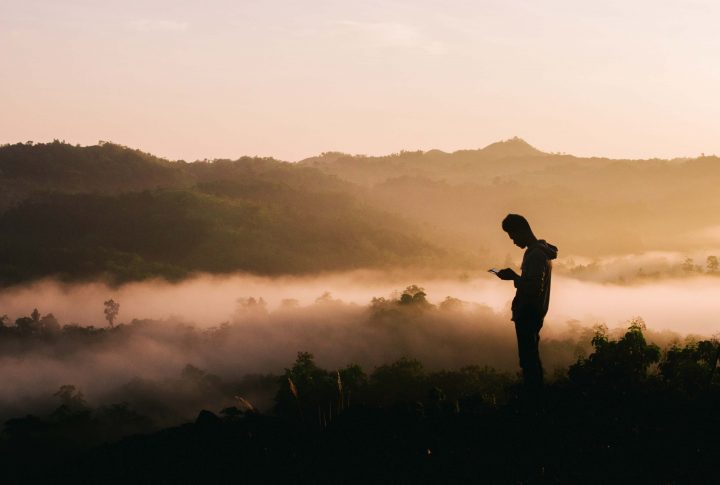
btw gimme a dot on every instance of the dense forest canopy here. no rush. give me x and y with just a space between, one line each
115 212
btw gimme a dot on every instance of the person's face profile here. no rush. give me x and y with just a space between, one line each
517 239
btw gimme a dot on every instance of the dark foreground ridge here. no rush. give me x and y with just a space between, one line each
628 413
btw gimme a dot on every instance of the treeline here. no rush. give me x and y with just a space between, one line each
627 412
630 269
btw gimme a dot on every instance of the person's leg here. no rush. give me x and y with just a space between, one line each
528 337
538 326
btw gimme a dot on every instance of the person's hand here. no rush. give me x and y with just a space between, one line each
507 274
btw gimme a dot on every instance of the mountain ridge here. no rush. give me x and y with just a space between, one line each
409 207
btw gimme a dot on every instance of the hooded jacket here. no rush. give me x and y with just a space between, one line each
532 297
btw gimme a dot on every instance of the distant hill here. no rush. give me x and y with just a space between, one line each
590 206
497 159
117 213
514 147
108 210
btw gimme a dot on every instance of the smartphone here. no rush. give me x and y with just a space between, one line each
493 271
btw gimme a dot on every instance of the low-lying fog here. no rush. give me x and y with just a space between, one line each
688 305
329 315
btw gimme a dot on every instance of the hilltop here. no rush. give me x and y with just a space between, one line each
498 158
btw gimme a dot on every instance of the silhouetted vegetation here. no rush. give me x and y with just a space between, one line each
626 412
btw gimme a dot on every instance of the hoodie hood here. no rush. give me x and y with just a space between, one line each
550 250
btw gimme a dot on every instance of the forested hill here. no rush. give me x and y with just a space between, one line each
497 159
113 212
107 168
108 210
508 159
588 206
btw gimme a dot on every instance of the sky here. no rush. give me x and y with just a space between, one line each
291 79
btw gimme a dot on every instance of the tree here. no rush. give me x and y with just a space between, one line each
402 381
72 404
413 294
451 304
49 323
616 363
70 396
26 325
111 311
691 367
712 264
306 391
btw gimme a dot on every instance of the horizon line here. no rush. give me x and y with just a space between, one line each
515 139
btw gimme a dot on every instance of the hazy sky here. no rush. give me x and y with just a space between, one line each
290 79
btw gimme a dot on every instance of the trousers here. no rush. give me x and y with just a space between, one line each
528 337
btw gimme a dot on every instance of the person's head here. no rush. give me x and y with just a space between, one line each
518 229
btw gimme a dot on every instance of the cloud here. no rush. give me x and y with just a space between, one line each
392 34
157 25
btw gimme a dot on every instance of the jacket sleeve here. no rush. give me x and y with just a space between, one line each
532 279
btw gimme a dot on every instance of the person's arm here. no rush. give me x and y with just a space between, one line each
532 279
507 274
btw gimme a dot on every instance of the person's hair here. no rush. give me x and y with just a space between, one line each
516 223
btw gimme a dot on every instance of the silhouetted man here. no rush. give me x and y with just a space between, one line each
532 296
